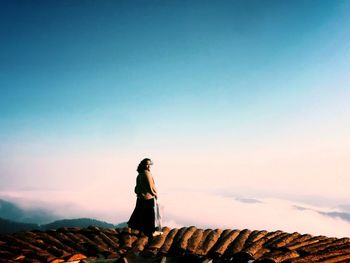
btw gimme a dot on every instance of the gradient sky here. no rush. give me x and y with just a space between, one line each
247 97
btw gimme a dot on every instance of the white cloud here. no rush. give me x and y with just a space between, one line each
184 208
206 210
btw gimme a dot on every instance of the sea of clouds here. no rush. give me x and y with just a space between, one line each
202 209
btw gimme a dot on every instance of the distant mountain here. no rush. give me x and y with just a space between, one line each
14 219
8 226
121 225
79 222
13 212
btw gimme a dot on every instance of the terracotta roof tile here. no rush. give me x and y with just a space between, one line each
187 244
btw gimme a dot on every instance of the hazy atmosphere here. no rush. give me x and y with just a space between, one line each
243 106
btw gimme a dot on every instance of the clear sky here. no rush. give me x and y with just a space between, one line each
246 97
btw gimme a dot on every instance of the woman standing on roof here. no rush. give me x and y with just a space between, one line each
143 216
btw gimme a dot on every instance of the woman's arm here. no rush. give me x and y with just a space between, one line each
152 186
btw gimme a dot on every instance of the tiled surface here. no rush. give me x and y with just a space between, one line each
185 244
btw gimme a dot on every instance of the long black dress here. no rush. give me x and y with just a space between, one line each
143 216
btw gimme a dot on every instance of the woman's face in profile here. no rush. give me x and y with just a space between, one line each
148 165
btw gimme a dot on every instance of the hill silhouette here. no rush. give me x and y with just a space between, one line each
9 226
13 219
13 212
78 222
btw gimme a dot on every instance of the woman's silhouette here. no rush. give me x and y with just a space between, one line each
143 216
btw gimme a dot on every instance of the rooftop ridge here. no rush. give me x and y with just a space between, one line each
187 244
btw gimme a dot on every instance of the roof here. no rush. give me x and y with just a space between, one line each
187 243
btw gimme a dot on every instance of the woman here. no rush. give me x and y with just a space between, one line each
143 216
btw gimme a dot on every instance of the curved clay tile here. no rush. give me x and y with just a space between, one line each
187 244
278 257
110 231
251 237
209 242
157 242
177 238
70 240
271 242
140 244
108 240
274 234
204 236
98 240
37 252
324 244
222 236
168 241
7 255
298 241
51 240
183 242
308 242
127 238
91 246
256 249
225 233
252 246
16 251
36 240
94 244
154 245
76 257
260 253
276 239
255 236
285 240
237 245
223 243
113 236
333 255
194 241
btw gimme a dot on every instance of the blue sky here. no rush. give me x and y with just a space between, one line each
61 58
146 61
224 94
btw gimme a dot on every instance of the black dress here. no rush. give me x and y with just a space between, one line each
143 216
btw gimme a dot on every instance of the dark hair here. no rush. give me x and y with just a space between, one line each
142 165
